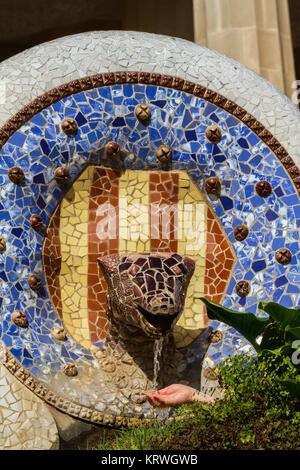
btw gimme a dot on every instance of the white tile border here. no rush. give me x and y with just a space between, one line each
25 421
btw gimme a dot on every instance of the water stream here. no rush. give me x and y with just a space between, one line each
157 350
161 413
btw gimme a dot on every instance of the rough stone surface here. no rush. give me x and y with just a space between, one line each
69 428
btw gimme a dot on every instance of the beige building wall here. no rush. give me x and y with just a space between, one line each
256 33
170 17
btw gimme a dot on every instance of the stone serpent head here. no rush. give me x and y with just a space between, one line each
147 291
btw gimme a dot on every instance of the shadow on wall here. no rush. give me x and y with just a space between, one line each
35 22
294 7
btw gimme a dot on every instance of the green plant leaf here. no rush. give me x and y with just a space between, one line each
285 316
245 323
273 337
293 333
281 351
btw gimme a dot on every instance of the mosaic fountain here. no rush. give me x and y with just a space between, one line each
127 188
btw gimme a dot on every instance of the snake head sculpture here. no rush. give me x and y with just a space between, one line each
147 291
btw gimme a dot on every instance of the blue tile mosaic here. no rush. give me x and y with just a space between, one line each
180 120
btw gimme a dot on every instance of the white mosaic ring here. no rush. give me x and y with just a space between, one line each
35 71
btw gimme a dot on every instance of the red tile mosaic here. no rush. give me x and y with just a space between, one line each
103 198
52 260
219 261
163 194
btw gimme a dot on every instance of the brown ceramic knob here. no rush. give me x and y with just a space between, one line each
263 188
2 244
213 186
16 175
215 336
241 232
164 154
69 126
138 396
242 288
143 112
19 318
283 256
213 134
107 364
35 282
36 222
62 175
69 369
59 333
112 149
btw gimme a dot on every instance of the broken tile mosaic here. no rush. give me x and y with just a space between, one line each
64 252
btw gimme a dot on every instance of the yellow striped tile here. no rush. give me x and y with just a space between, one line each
133 212
74 269
191 243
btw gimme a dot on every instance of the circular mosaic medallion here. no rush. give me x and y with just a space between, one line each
99 180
